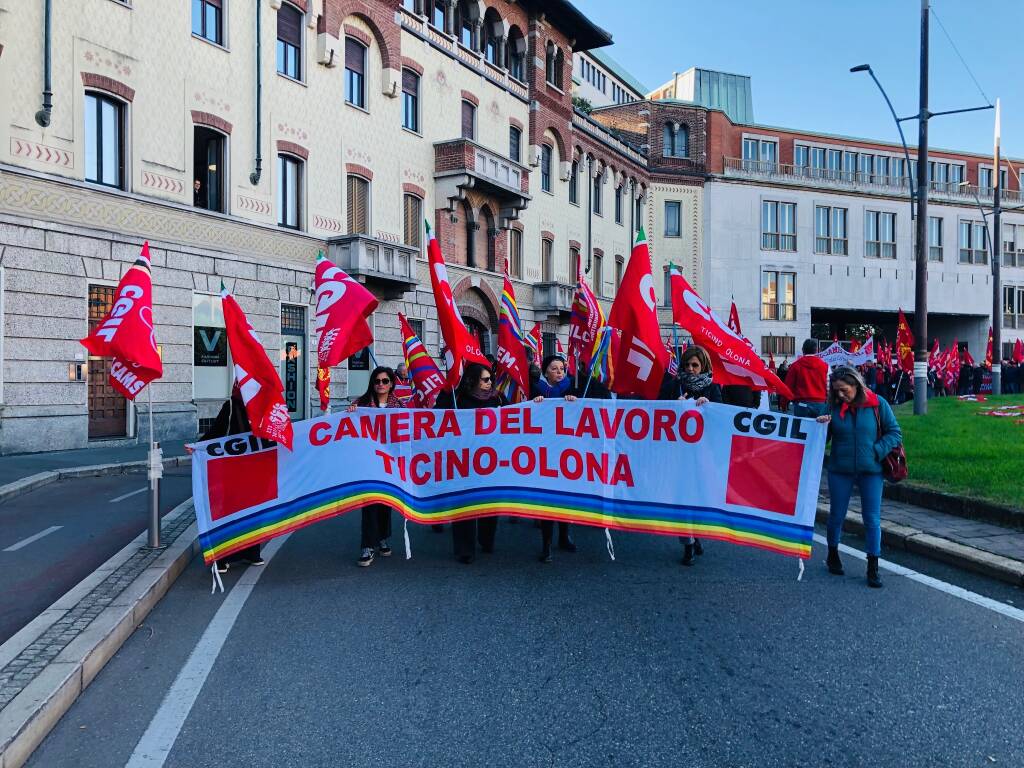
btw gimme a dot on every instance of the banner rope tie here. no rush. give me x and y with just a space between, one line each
405 533
800 563
611 546
216 579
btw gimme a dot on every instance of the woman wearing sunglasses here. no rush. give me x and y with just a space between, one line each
476 390
377 517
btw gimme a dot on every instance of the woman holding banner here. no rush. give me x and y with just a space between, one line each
553 383
694 382
376 526
475 390
863 431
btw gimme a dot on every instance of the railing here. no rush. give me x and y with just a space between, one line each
553 297
774 241
599 132
836 246
801 174
1013 321
390 265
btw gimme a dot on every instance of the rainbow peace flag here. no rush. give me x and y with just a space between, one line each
426 378
601 363
512 375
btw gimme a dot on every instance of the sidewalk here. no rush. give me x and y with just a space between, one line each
20 466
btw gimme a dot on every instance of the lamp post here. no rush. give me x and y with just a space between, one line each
921 251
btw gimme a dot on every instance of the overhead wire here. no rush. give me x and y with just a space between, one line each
960 56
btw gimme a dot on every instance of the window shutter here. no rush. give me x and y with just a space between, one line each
289 25
410 81
467 120
413 225
354 55
358 205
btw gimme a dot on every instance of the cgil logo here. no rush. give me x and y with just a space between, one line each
123 305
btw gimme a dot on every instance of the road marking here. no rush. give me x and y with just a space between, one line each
137 491
30 539
950 589
158 740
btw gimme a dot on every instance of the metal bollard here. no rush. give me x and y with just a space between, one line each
156 471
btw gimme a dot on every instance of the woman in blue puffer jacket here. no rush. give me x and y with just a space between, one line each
863 431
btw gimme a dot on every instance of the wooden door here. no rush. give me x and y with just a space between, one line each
108 409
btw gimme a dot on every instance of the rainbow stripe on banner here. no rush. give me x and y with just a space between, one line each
643 517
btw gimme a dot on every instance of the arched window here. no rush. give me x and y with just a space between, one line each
515 53
410 100
574 175
437 14
358 205
559 66
676 142
549 63
492 32
466 18
355 72
104 140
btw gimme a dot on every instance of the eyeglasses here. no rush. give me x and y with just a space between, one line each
485 381
385 382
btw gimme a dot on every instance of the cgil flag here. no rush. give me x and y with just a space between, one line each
255 376
426 378
513 374
461 347
586 321
535 341
342 308
731 357
988 350
904 345
126 332
641 358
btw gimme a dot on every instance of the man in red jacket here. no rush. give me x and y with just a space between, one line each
807 378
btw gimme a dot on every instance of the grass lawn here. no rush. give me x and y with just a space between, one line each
954 449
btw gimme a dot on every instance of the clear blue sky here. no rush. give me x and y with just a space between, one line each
799 52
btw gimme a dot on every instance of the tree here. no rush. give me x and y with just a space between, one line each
582 104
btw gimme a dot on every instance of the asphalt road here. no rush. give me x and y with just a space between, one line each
585 662
55 536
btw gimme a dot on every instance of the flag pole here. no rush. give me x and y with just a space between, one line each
156 469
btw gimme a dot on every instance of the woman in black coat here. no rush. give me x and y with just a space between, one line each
553 383
693 382
233 420
376 524
476 390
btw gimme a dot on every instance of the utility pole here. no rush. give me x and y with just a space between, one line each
997 243
921 276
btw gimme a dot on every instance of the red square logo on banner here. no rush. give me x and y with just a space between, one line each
764 474
240 482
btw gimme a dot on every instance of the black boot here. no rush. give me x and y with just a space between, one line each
688 554
698 548
564 542
873 580
835 565
545 553
546 529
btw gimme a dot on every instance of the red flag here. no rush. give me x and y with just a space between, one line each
673 363
1018 352
988 350
535 341
513 373
933 356
256 377
854 346
126 333
771 362
586 321
966 358
342 306
904 345
734 319
461 346
641 358
730 355
427 381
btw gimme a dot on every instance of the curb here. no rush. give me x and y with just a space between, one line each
30 716
910 539
960 506
41 479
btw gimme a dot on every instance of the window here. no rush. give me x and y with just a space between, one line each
104 140
934 238
598 187
545 167
817 162
879 235
355 73
412 214
620 267
676 142
289 41
673 218
778 295
206 20
358 205
956 176
553 65
597 272
515 52
289 186
547 266
410 101
1013 311
437 14
515 253
830 235
867 168
211 372
849 166
468 120
778 226
574 175
973 243
801 159
882 169
835 164
515 139
618 205
1010 245
574 263
638 213
778 345
760 155
985 180
208 169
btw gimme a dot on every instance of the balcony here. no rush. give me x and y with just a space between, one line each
388 267
553 298
462 164
803 175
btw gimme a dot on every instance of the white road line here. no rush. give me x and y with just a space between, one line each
30 539
950 589
130 494
158 740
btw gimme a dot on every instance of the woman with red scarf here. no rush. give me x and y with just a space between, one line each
863 431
